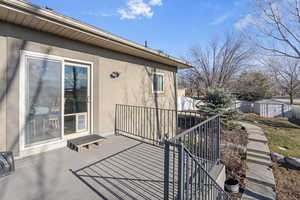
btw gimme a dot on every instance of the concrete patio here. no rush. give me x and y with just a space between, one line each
119 168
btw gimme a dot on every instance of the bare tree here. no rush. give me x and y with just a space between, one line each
286 73
218 63
277 27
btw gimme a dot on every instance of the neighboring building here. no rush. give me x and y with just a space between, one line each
272 108
61 79
185 102
265 108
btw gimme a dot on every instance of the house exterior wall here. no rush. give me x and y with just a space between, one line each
3 61
133 87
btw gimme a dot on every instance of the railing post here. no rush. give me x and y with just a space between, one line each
180 171
116 119
218 138
167 170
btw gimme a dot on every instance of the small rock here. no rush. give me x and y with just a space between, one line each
282 148
281 161
295 162
276 157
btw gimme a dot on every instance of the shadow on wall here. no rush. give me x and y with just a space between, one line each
13 69
38 182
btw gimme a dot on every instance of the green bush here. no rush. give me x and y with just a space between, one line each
219 102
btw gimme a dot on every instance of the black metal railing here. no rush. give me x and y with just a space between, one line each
151 123
192 147
189 157
202 140
186 177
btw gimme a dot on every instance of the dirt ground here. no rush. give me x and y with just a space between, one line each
287 182
233 139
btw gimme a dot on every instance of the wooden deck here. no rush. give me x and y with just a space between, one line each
119 168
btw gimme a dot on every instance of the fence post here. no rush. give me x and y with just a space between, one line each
167 170
180 171
282 109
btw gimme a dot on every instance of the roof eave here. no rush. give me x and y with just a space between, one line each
80 31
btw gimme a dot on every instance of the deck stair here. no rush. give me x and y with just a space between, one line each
84 142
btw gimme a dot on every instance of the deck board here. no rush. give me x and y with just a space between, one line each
120 168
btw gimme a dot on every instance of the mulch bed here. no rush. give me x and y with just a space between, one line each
233 140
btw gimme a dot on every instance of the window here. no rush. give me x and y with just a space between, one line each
43 100
158 83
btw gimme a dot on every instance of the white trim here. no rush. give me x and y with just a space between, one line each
22 93
76 135
91 82
90 118
62 100
41 149
22 78
152 77
61 58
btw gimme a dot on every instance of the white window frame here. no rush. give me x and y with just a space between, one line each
163 77
24 54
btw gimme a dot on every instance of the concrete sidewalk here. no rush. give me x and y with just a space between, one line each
260 182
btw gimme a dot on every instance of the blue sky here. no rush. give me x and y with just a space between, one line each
172 26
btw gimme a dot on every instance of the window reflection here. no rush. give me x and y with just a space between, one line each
43 100
76 98
76 92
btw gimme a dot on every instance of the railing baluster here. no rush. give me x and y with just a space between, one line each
187 177
181 169
195 149
166 170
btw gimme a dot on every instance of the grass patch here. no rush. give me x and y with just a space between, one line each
280 133
296 103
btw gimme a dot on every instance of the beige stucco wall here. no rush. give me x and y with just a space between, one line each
132 87
3 44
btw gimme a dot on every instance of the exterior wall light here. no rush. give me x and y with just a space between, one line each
114 75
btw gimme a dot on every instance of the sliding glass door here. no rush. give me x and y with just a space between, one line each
57 100
43 112
76 98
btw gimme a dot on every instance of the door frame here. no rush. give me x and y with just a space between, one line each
89 110
22 95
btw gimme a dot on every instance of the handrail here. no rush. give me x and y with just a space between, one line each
203 139
153 124
205 172
192 128
148 107
189 174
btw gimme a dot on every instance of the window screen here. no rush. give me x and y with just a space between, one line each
158 82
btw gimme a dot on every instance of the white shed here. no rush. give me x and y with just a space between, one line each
187 103
272 108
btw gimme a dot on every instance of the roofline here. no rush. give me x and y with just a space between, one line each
22 7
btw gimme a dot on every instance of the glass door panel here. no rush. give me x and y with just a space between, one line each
43 101
76 101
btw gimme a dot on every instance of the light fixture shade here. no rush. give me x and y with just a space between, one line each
115 75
